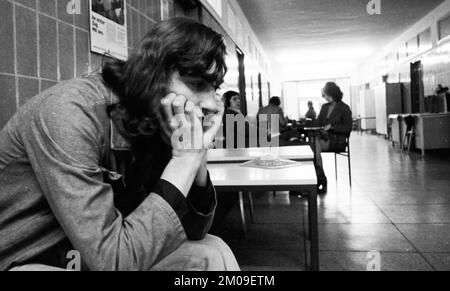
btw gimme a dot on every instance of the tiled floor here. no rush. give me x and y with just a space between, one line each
399 205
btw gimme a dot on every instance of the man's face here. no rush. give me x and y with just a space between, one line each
195 90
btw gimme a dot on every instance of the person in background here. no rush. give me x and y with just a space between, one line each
267 112
274 109
227 200
101 164
311 114
232 101
336 121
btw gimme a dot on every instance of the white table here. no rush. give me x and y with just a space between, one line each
233 177
295 153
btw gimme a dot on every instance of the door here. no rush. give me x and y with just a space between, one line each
260 94
241 81
416 87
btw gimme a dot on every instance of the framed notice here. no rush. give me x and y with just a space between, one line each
109 28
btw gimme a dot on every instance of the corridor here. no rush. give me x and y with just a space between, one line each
399 205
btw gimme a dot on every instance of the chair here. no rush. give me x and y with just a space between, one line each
347 154
410 133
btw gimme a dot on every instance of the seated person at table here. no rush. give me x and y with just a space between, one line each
227 200
336 121
266 113
234 122
311 114
65 183
274 109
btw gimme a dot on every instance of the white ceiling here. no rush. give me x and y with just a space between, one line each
304 33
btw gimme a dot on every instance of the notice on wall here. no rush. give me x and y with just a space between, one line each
109 28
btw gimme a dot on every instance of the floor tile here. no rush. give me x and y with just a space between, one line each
287 260
417 213
409 197
440 262
362 237
358 261
350 214
428 237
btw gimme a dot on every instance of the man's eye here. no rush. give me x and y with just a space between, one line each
198 85
201 86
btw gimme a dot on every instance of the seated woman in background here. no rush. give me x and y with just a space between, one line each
226 201
336 121
234 122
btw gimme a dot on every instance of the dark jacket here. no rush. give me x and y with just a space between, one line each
311 114
341 122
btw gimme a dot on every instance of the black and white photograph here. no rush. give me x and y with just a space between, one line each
108 27
112 9
250 141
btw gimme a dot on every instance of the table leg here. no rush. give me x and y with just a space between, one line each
241 204
313 230
252 211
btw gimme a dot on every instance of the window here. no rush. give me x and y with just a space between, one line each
403 52
413 46
240 32
444 27
425 40
231 21
217 6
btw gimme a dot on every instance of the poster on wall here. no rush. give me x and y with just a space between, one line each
109 28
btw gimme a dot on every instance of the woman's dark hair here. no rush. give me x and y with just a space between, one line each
178 44
228 96
276 101
333 90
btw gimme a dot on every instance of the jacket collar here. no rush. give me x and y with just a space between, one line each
118 140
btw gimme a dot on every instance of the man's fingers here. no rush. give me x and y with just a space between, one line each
179 105
166 103
190 111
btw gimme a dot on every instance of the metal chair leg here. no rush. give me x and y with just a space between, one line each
252 211
336 165
244 223
409 142
349 165
350 170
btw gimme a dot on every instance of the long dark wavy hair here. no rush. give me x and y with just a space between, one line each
140 83
178 44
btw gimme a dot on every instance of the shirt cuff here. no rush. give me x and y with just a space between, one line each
195 213
203 200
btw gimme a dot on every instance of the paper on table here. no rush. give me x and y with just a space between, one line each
270 163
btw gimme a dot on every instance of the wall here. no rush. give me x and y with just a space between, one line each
235 25
42 44
435 60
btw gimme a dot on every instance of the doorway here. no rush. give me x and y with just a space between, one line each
241 81
417 93
260 96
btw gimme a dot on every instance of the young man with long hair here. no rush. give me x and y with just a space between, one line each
91 164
